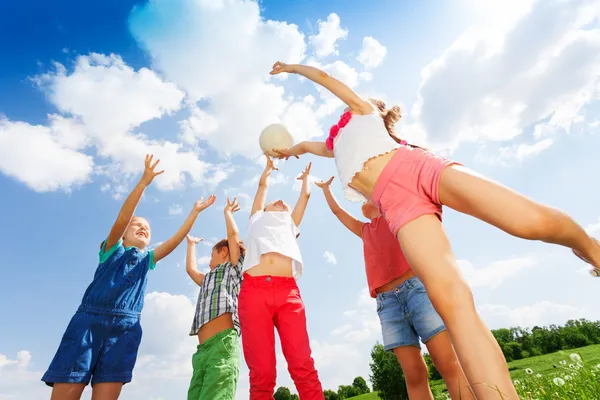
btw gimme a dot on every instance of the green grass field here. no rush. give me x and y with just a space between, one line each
549 366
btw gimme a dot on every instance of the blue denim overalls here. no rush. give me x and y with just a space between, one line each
102 339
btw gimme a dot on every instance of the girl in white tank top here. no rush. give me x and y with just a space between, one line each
358 144
269 296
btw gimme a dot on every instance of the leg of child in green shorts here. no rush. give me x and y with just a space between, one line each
216 368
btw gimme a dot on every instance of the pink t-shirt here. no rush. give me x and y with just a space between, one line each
384 260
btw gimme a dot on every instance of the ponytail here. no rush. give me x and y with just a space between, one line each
390 117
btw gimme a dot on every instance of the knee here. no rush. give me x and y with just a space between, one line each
449 296
416 374
448 367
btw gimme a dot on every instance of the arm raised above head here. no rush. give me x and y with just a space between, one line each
263 184
171 244
356 103
355 226
190 260
233 234
300 208
128 209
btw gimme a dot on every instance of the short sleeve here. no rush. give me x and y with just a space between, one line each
240 262
151 263
295 229
105 255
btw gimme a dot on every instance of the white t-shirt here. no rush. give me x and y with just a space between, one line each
363 138
273 232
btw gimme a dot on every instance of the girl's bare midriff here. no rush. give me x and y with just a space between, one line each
396 282
364 181
273 264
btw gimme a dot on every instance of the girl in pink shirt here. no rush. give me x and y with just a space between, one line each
404 309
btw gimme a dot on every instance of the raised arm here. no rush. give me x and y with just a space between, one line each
170 244
190 260
130 204
302 202
263 184
354 225
316 148
357 104
233 234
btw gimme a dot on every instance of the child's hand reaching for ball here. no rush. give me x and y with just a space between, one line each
284 154
325 185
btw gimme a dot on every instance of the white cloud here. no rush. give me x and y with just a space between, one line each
204 260
111 99
493 86
330 31
297 185
372 53
45 158
221 52
593 229
329 257
516 152
175 209
541 314
19 380
497 272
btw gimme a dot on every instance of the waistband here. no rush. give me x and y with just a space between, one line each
386 175
268 281
410 283
108 311
217 337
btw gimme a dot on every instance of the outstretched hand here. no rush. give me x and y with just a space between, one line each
305 172
324 184
232 206
284 154
193 240
280 67
202 204
270 166
149 173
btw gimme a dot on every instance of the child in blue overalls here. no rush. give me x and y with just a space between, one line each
102 339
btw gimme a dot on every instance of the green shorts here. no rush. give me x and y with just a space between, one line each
216 368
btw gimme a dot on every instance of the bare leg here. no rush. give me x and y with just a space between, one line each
469 193
428 252
445 360
107 391
415 372
67 391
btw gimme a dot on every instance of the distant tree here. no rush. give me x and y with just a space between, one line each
386 375
282 393
295 396
331 395
347 392
360 383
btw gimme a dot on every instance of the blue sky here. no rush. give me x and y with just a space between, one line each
87 89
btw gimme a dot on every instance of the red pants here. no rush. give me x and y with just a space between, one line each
266 302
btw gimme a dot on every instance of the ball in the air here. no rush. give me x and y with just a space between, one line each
595 272
275 136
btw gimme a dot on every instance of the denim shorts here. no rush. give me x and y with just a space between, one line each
406 314
97 347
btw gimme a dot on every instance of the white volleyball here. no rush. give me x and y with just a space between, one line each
595 272
275 136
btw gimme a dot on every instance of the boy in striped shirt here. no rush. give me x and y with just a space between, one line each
216 362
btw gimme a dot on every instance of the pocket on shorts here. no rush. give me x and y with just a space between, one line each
379 304
229 343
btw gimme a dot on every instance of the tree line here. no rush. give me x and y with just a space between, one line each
516 343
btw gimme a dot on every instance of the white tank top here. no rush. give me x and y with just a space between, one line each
363 138
273 232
